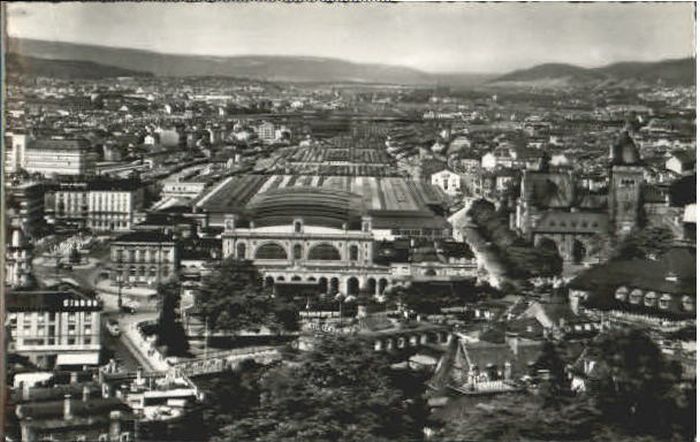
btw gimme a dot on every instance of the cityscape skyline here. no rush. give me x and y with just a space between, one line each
586 35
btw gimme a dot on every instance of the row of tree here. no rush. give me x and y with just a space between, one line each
520 258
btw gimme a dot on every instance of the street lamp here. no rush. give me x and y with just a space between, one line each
119 277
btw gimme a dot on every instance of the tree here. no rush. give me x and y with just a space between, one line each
233 298
340 390
170 331
230 395
557 386
519 417
636 387
647 243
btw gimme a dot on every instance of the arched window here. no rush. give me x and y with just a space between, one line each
621 294
665 301
354 253
240 250
297 226
271 251
650 299
297 251
324 252
688 303
636 296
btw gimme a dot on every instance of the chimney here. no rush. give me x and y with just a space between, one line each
73 377
67 414
86 393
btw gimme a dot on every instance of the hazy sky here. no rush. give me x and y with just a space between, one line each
483 37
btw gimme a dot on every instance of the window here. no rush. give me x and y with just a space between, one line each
324 252
354 253
297 251
621 294
297 226
104 437
688 303
636 296
270 251
71 341
650 299
665 301
240 250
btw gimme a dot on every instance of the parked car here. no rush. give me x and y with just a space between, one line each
113 328
129 306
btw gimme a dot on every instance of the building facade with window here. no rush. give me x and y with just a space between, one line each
44 325
100 205
447 181
59 156
660 293
309 236
144 258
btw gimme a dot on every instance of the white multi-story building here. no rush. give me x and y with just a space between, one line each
54 327
266 132
100 205
59 156
15 147
448 181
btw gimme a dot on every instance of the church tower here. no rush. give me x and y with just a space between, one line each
626 179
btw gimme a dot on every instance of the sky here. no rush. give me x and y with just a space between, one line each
434 37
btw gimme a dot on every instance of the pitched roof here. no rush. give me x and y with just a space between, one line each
549 189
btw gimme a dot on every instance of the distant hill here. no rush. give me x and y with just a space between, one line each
273 68
44 67
330 70
679 72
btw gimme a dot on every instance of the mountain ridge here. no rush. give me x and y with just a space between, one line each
314 69
677 72
43 67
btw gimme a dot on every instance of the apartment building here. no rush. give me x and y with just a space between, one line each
54 327
144 258
101 205
59 156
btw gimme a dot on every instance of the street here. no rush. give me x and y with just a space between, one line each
486 257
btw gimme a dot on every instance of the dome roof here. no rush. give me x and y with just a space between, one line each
624 151
315 205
